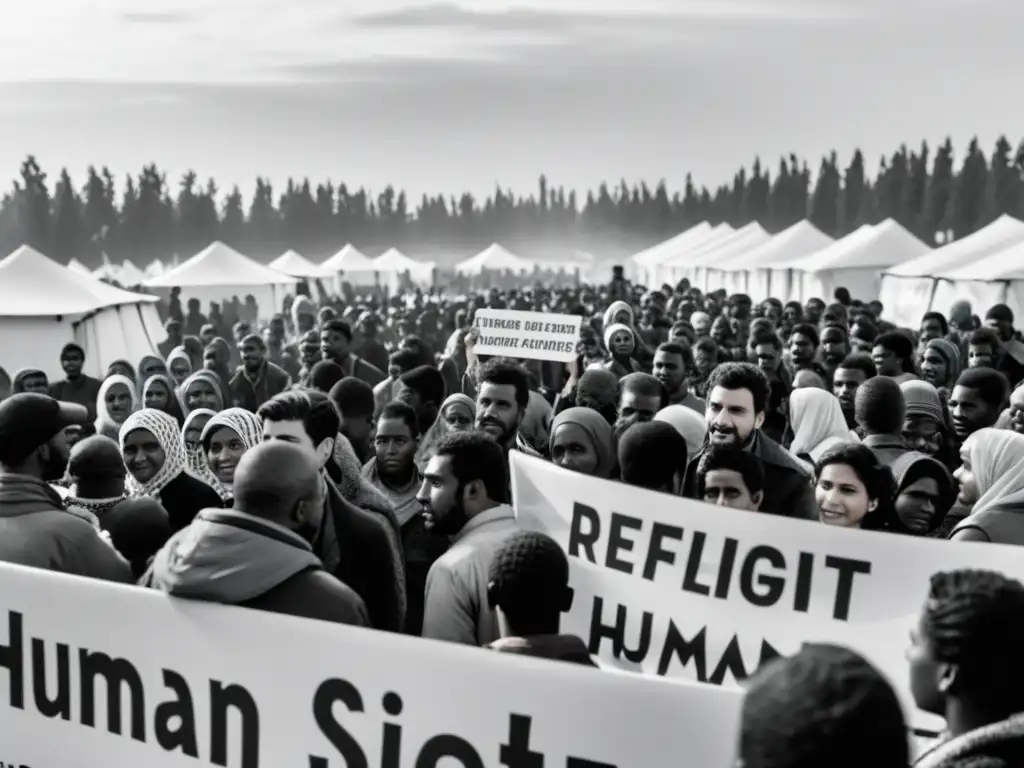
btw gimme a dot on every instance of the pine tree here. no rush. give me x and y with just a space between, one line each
824 212
968 199
1003 187
32 198
68 225
938 194
232 222
852 194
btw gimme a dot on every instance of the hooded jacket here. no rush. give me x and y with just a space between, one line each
999 745
237 559
35 530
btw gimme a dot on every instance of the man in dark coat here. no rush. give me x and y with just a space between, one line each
737 399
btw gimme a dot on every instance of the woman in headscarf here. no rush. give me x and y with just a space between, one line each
159 393
457 414
193 347
581 440
817 422
179 366
122 368
618 312
924 493
116 401
620 341
149 366
688 423
225 439
202 390
217 358
30 380
192 440
940 364
155 459
991 478
925 423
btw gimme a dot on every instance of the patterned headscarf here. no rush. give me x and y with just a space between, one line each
164 428
246 425
195 460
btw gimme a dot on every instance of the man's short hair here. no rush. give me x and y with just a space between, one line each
399 410
502 371
427 381
314 409
860 361
745 463
529 581
253 338
985 336
353 397
644 385
742 376
678 348
991 385
897 343
766 337
476 456
338 326
808 330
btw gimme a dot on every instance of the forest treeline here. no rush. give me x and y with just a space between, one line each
146 216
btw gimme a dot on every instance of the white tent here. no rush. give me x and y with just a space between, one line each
129 274
44 305
701 265
219 272
647 262
76 266
907 290
494 257
155 268
295 264
995 279
354 267
767 268
857 260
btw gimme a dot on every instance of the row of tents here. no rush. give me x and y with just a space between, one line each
884 261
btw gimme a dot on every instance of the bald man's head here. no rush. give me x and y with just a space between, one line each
279 481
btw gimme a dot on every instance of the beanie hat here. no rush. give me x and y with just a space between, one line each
650 453
922 399
325 375
427 381
1000 312
614 328
879 406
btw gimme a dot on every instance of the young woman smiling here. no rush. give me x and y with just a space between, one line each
852 489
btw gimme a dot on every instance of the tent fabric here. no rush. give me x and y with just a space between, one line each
688 242
44 305
494 257
350 265
766 269
701 266
855 261
655 253
994 279
76 266
394 264
910 289
294 264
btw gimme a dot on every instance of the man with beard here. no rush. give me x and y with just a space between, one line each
673 364
852 372
977 400
835 346
35 529
259 553
738 396
501 400
465 497
423 390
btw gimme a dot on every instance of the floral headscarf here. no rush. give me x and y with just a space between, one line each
164 428
104 421
245 424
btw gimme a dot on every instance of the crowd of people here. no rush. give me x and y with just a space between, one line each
349 463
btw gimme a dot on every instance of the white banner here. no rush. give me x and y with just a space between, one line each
532 335
95 674
671 586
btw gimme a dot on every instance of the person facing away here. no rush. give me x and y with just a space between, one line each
737 397
352 543
965 666
823 707
465 498
731 478
528 589
652 455
881 409
259 554
35 529
76 387
353 400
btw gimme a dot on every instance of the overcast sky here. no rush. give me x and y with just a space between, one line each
447 96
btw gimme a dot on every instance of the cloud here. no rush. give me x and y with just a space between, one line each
158 17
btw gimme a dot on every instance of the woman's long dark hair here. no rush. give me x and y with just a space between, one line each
876 477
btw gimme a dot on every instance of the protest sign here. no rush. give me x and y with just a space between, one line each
532 335
671 586
99 674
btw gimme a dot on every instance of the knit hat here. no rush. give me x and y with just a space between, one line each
614 328
650 454
427 381
1000 313
879 406
922 399
325 375
96 458
949 351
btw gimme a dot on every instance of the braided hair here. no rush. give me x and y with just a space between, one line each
970 620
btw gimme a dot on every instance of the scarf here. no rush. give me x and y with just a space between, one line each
243 423
195 461
164 429
997 464
209 377
818 422
90 510
597 429
440 428
105 423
